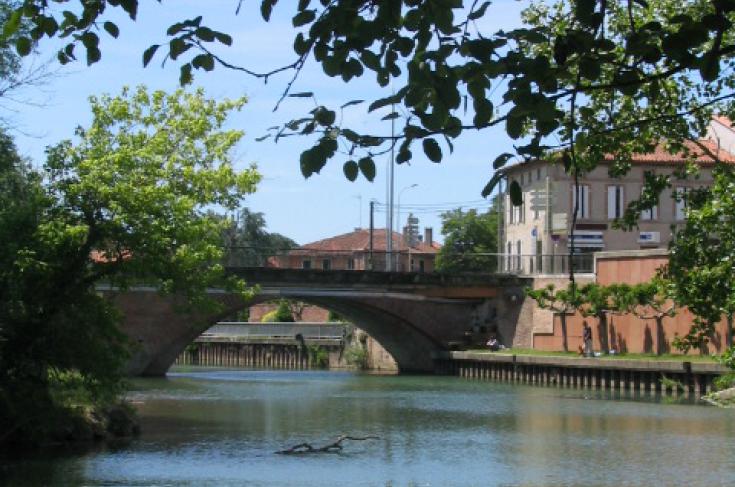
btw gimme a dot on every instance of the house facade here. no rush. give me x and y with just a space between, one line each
537 235
361 250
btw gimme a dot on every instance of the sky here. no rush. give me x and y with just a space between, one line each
305 210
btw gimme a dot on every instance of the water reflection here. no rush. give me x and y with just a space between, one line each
219 427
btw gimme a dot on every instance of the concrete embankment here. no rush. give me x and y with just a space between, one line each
675 378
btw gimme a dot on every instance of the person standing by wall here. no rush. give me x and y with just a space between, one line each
587 338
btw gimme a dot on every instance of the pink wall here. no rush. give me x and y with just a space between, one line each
628 333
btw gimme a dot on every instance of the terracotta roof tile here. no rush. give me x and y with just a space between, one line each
701 152
723 120
359 241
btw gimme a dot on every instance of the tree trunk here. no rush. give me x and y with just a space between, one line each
564 343
602 331
660 337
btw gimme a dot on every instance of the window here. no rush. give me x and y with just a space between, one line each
306 264
680 202
421 265
522 174
518 257
520 213
538 174
615 202
649 214
508 260
351 264
326 264
511 212
581 194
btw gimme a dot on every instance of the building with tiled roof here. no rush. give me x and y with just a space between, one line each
536 235
357 249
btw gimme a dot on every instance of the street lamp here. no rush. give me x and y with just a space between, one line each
398 212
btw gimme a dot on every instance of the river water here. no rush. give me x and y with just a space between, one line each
215 427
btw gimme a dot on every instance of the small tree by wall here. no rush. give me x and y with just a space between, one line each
646 301
598 303
561 302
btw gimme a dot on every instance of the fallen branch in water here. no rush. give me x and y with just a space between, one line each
334 447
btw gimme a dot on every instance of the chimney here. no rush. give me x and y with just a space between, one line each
428 235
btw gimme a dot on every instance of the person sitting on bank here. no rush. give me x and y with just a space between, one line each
494 345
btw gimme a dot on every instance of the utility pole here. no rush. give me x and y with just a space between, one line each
389 226
370 256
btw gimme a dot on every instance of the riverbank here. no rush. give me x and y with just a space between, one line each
665 377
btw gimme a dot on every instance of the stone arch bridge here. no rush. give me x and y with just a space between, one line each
411 315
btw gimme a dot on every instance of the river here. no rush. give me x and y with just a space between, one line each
214 427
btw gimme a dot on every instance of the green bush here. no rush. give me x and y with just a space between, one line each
357 356
282 314
318 356
725 381
728 358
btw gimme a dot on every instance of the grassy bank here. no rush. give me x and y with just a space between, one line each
621 356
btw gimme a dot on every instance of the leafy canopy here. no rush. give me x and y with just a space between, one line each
586 77
467 236
127 202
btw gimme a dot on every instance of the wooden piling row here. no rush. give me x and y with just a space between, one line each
629 381
273 356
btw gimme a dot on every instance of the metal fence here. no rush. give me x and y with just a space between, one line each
310 331
546 264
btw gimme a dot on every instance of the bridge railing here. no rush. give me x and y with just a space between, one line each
309 331
535 264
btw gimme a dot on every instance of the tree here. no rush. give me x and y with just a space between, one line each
282 314
15 75
470 240
249 244
702 261
561 302
601 76
597 301
126 203
646 301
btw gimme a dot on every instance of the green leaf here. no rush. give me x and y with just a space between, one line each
148 54
185 76
203 61
516 194
480 12
501 160
223 38
12 24
432 150
304 94
266 8
112 29
490 186
391 116
304 17
351 103
23 46
324 117
404 155
367 168
350 169
93 55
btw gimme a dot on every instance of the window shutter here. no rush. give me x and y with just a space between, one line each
611 202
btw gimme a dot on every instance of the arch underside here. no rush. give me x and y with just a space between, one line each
410 331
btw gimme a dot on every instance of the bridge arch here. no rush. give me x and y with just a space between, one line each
411 326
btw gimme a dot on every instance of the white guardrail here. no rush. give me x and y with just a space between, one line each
310 331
